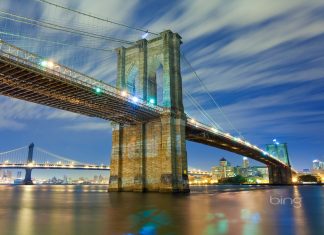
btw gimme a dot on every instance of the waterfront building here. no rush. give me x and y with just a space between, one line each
245 162
223 170
316 164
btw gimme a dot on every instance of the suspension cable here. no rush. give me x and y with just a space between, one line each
210 96
49 25
199 108
98 18
54 42
59 157
10 151
202 110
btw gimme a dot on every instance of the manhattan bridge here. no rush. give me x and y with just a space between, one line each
143 99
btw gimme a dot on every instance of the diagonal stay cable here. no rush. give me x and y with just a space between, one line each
26 20
53 42
10 151
202 110
210 96
60 157
98 18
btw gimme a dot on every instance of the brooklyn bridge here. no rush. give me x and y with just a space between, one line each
149 139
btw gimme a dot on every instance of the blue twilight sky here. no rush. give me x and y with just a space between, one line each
262 60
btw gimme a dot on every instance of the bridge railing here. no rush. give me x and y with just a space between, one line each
52 165
228 136
33 60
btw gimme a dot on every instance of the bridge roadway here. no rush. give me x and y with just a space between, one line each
73 167
200 133
52 166
28 77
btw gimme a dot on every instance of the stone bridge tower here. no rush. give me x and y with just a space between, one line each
151 156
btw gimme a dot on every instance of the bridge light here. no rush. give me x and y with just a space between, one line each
193 121
144 36
265 153
152 101
43 63
97 90
124 93
135 99
214 130
275 141
50 64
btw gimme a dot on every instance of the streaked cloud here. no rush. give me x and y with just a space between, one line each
89 126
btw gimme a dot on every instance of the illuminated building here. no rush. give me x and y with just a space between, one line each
318 169
224 170
245 162
318 165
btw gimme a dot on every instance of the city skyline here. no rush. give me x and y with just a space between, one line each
281 77
75 174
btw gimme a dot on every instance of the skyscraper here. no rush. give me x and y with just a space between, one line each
317 165
224 170
245 162
223 162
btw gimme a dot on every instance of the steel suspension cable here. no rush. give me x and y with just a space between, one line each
10 151
54 42
59 157
98 18
202 110
60 27
210 96
199 108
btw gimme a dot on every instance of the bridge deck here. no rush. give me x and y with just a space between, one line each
200 133
22 76
52 166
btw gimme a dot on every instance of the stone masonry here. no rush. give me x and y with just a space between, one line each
279 175
151 156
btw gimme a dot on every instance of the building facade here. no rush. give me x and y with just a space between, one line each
223 170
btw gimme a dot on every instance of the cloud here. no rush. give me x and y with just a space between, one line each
14 113
10 124
89 126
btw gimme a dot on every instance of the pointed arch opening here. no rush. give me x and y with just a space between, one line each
155 84
131 80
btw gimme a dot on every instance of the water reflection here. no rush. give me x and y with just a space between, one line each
52 210
26 213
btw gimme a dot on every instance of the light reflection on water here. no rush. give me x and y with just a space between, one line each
90 210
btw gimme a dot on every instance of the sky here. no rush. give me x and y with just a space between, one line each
262 61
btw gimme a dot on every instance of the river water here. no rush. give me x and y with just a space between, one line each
90 210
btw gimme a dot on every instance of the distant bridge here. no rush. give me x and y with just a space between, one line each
31 157
28 158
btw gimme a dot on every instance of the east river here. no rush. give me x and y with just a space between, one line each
90 210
